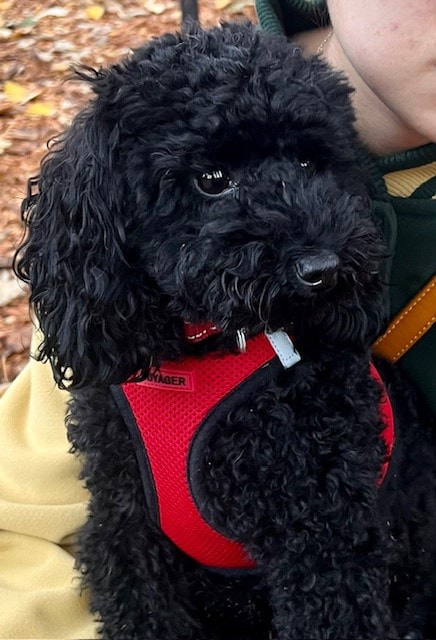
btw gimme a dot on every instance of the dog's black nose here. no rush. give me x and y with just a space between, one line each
318 271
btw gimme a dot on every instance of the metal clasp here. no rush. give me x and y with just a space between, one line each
241 340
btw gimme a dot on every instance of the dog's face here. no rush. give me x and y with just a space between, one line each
214 178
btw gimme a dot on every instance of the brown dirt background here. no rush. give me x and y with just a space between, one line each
39 44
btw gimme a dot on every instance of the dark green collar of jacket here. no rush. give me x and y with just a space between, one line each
291 16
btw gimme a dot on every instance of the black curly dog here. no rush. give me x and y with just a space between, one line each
217 177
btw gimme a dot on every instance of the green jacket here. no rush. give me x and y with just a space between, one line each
405 204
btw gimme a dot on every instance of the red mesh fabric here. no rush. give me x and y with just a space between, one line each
167 420
388 433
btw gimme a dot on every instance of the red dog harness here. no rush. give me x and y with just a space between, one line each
165 413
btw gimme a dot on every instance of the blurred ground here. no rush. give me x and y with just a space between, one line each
40 41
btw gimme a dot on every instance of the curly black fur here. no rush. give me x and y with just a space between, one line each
123 247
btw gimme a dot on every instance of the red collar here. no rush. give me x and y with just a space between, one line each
196 332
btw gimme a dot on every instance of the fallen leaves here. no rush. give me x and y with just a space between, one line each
156 7
10 288
53 12
18 93
40 109
15 334
232 6
94 12
222 4
15 328
5 34
4 145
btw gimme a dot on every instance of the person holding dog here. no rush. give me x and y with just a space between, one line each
395 105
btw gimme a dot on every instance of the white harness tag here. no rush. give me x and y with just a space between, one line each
284 348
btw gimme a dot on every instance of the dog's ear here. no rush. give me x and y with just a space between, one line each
93 305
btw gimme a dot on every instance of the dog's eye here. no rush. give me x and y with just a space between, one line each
214 183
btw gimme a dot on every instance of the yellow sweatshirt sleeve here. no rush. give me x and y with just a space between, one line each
42 505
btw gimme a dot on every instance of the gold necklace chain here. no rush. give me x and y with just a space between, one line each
324 42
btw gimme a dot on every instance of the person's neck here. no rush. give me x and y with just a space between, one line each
380 129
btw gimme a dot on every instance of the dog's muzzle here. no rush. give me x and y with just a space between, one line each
318 271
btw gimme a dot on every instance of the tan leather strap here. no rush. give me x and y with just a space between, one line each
409 325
